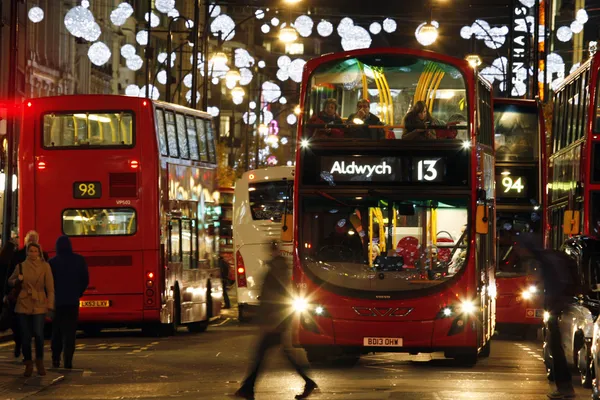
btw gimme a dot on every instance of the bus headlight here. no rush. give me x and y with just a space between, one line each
529 292
546 316
532 289
300 304
319 310
467 307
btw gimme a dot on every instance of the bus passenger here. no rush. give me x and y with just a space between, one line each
416 122
328 115
363 116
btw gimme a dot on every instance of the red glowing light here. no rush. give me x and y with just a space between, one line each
150 275
144 103
29 104
41 165
251 176
241 270
134 164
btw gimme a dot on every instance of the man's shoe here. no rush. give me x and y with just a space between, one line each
308 389
562 395
244 394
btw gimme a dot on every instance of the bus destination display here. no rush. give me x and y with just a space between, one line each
382 169
511 186
87 190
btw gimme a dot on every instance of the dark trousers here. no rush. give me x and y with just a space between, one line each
225 295
17 334
64 329
560 368
269 340
32 325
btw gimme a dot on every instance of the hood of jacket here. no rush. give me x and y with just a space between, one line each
63 245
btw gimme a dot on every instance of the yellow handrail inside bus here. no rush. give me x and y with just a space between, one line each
130 224
395 215
388 92
370 246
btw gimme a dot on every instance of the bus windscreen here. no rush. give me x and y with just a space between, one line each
270 200
378 244
77 130
516 132
386 97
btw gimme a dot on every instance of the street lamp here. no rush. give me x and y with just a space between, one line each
219 58
237 92
233 76
288 34
474 60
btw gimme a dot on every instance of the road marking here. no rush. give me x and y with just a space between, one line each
226 320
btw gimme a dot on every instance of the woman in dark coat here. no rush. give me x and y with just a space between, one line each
328 115
416 122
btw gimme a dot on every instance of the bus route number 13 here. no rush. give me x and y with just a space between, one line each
87 190
429 170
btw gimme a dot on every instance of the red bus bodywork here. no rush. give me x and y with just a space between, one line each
415 319
519 305
130 274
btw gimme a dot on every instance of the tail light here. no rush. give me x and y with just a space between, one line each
150 288
241 270
41 165
134 164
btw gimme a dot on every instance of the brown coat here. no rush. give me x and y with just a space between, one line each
37 293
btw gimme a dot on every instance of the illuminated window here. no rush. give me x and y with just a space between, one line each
88 130
294 48
99 222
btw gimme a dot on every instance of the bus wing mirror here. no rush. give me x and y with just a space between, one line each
481 223
287 231
571 222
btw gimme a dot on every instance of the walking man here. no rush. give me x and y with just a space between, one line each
274 317
71 279
224 267
560 287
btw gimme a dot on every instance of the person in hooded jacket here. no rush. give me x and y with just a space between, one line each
35 300
274 318
328 116
71 280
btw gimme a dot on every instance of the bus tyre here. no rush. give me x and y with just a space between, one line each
486 350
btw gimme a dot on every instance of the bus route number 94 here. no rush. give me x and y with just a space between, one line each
87 190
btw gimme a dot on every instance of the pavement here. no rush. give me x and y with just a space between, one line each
14 386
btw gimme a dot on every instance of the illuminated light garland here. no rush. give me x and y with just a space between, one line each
375 28
35 14
275 21
282 100
291 119
161 77
265 28
284 140
173 13
142 38
283 75
267 116
528 3
99 53
154 19
215 10
187 81
214 111
120 14
389 25
237 100
132 90
355 38
164 6
154 92
243 59
271 91
134 63
576 26
325 28
262 64
252 105
188 96
249 118
79 20
93 33
162 58
245 76
259 14
284 62
296 67
581 16
564 34
225 25
128 51
304 25
344 26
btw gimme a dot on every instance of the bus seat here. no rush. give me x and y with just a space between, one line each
408 248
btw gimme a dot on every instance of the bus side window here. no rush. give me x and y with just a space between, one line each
162 133
174 240
186 244
171 134
210 139
182 136
200 131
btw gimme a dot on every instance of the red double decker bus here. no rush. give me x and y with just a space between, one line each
395 238
574 161
132 182
520 138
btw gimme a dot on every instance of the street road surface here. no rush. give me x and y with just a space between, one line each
127 365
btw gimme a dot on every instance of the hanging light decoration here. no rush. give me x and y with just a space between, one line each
99 53
120 14
282 100
375 28
93 33
295 70
304 25
389 25
233 76
173 13
564 33
127 51
249 118
259 14
243 59
142 38
261 64
576 26
427 33
291 119
356 37
214 111
325 28
224 25
134 63
78 21
219 59
263 129
237 92
154 19
153 90
164 6
581 16
215 10
188 96
187 81
288 35
265 28
284 140
35 14
275 21
245 76
161 77
271 91
162 58
132 90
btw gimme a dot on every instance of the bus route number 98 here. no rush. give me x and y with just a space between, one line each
87 190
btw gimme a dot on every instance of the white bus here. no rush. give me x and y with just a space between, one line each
262 212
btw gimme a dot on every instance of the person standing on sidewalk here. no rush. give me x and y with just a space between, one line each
20 256
275 315
560 288
224 268
36 299
71 279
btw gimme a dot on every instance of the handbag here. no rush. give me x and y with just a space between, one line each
13 295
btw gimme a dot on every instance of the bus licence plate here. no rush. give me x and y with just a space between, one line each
382 341
94 303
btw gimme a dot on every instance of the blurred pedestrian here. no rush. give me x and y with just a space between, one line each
6 257
224 267
19 257
71 280
35 300
275 315
560 286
